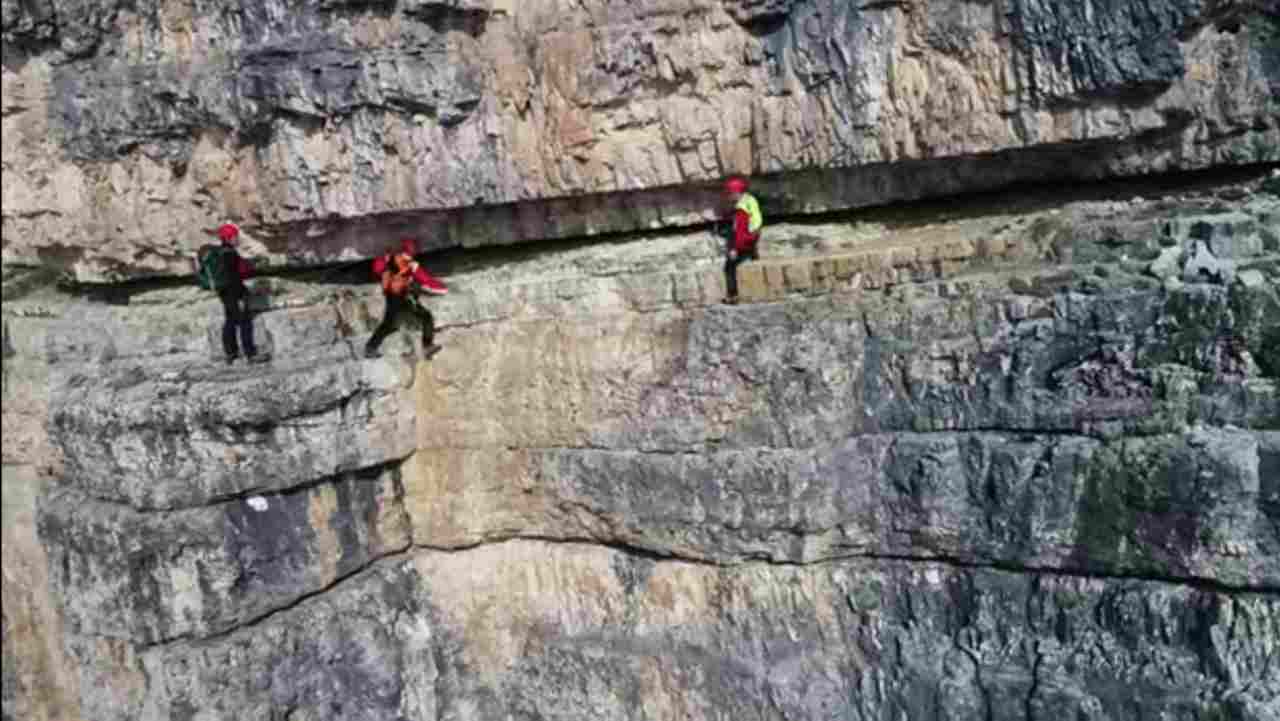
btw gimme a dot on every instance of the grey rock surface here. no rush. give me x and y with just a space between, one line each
156 443
865 641
1176 507
611 635
360 651
963 468
329 128
1115 432
1168 264
1203 266
152 577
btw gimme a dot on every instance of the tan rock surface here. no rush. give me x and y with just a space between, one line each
44 676
329 128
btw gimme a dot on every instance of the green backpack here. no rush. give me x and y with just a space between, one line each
211 266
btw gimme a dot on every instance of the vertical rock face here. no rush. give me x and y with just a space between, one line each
182 500
1010 458
1004 464
40 680
328 127
158 577
846 639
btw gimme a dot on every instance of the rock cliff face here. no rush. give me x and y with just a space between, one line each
1012 459
327 127
996 457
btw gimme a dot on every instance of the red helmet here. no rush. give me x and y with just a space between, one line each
408 245
228 232
736 185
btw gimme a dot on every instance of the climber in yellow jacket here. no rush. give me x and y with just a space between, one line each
747 224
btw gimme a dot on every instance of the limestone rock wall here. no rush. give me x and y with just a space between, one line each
1005 464
157 495
327 128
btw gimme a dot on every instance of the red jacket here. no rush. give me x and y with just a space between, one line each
382 264
743 239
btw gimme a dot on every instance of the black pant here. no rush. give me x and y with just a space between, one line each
396 305
731 270
235 305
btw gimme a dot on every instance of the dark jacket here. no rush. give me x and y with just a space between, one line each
236 269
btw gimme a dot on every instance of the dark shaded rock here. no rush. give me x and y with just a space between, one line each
1072 55
361 651
75 27
760 14
154 577
1272 185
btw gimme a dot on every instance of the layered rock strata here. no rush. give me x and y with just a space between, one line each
327 127
999 465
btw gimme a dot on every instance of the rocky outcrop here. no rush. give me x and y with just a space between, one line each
327 128
187 441
599 632
157 577
1007 463
188 499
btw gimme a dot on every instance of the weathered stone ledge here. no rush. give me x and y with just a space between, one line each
158 443
158 576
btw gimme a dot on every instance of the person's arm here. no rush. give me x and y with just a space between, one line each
427 282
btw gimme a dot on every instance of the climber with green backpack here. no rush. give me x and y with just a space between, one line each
220 268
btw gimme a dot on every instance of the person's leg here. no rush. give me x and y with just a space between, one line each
731 277
229 316
428 322
387 325
245 324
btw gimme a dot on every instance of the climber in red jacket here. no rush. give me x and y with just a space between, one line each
399 273
747 224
